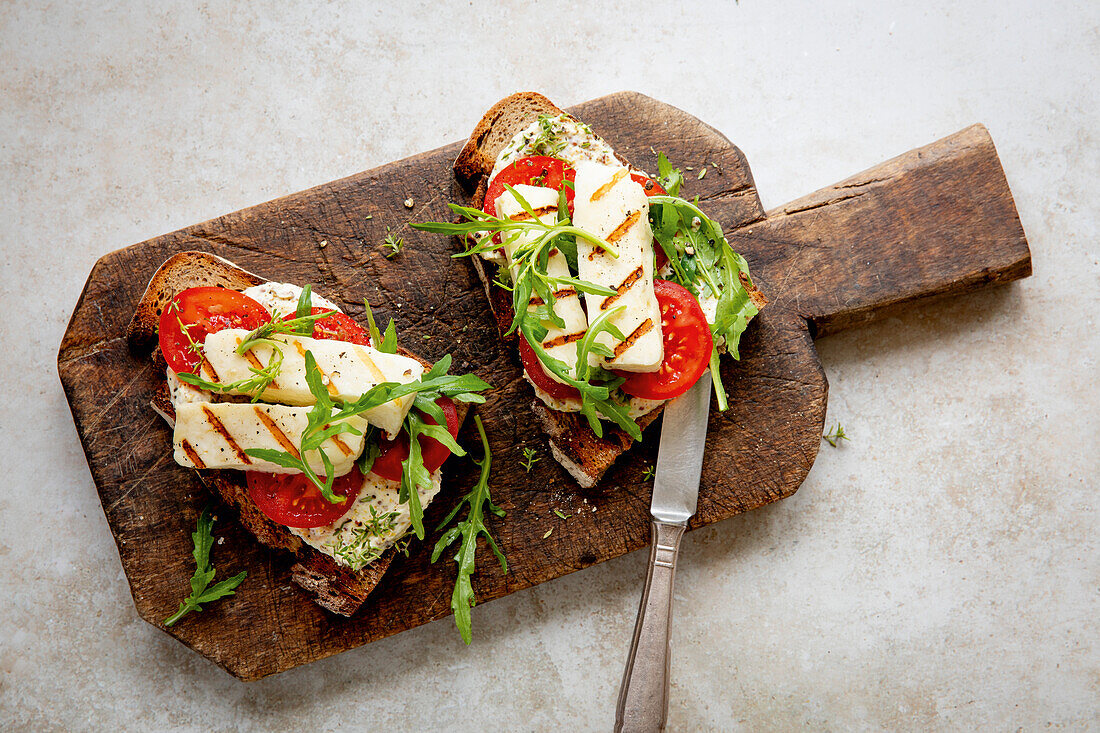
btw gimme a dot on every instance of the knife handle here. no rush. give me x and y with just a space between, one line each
643 696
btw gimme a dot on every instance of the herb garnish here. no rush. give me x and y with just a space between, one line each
393 243
300 325
479 499
703 262
325 419
358 551
204 572
530 241
834 436
530 458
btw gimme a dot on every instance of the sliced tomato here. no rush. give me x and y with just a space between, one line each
392 453
538 375
203 311
291 499
536 170
652 188
687 342
338 327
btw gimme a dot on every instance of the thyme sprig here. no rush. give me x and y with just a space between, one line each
530 458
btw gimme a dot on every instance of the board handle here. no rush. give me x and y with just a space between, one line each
936 221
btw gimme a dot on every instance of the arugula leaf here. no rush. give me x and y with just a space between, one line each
388 344
373 449
703 262
300 325
324 420
201 592
670 178
529 260
305 308
478 499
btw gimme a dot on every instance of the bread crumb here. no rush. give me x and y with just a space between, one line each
409 202
323 244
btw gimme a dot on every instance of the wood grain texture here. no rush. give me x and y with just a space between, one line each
932 222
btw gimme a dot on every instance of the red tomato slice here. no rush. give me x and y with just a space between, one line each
688 344
338 327
393 453
652 188
291 499
550 172
538 375
203 311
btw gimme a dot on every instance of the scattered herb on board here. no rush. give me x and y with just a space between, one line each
649 473
530 458
393 243
561 514
479 499
834 436
204 572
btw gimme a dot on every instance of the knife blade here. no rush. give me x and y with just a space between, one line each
643 695
680 456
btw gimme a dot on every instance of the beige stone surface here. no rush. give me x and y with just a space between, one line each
940 571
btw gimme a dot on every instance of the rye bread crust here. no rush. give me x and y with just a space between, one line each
573 444
334 587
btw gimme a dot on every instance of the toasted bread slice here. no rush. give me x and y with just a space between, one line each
496 129
572 442
334 587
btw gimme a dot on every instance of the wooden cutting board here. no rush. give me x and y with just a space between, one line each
936 221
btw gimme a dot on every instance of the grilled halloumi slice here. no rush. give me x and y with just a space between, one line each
560 343
609 204
216 435
347 369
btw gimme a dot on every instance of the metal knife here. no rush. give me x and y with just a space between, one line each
643 696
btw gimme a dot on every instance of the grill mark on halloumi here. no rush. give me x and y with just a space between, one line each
204 364
539 212
376 373
605 188
565 338
330 386
257 364
344 447
219 428
558 294
191 454
623 288
621 230
643 328
277 433
617 233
